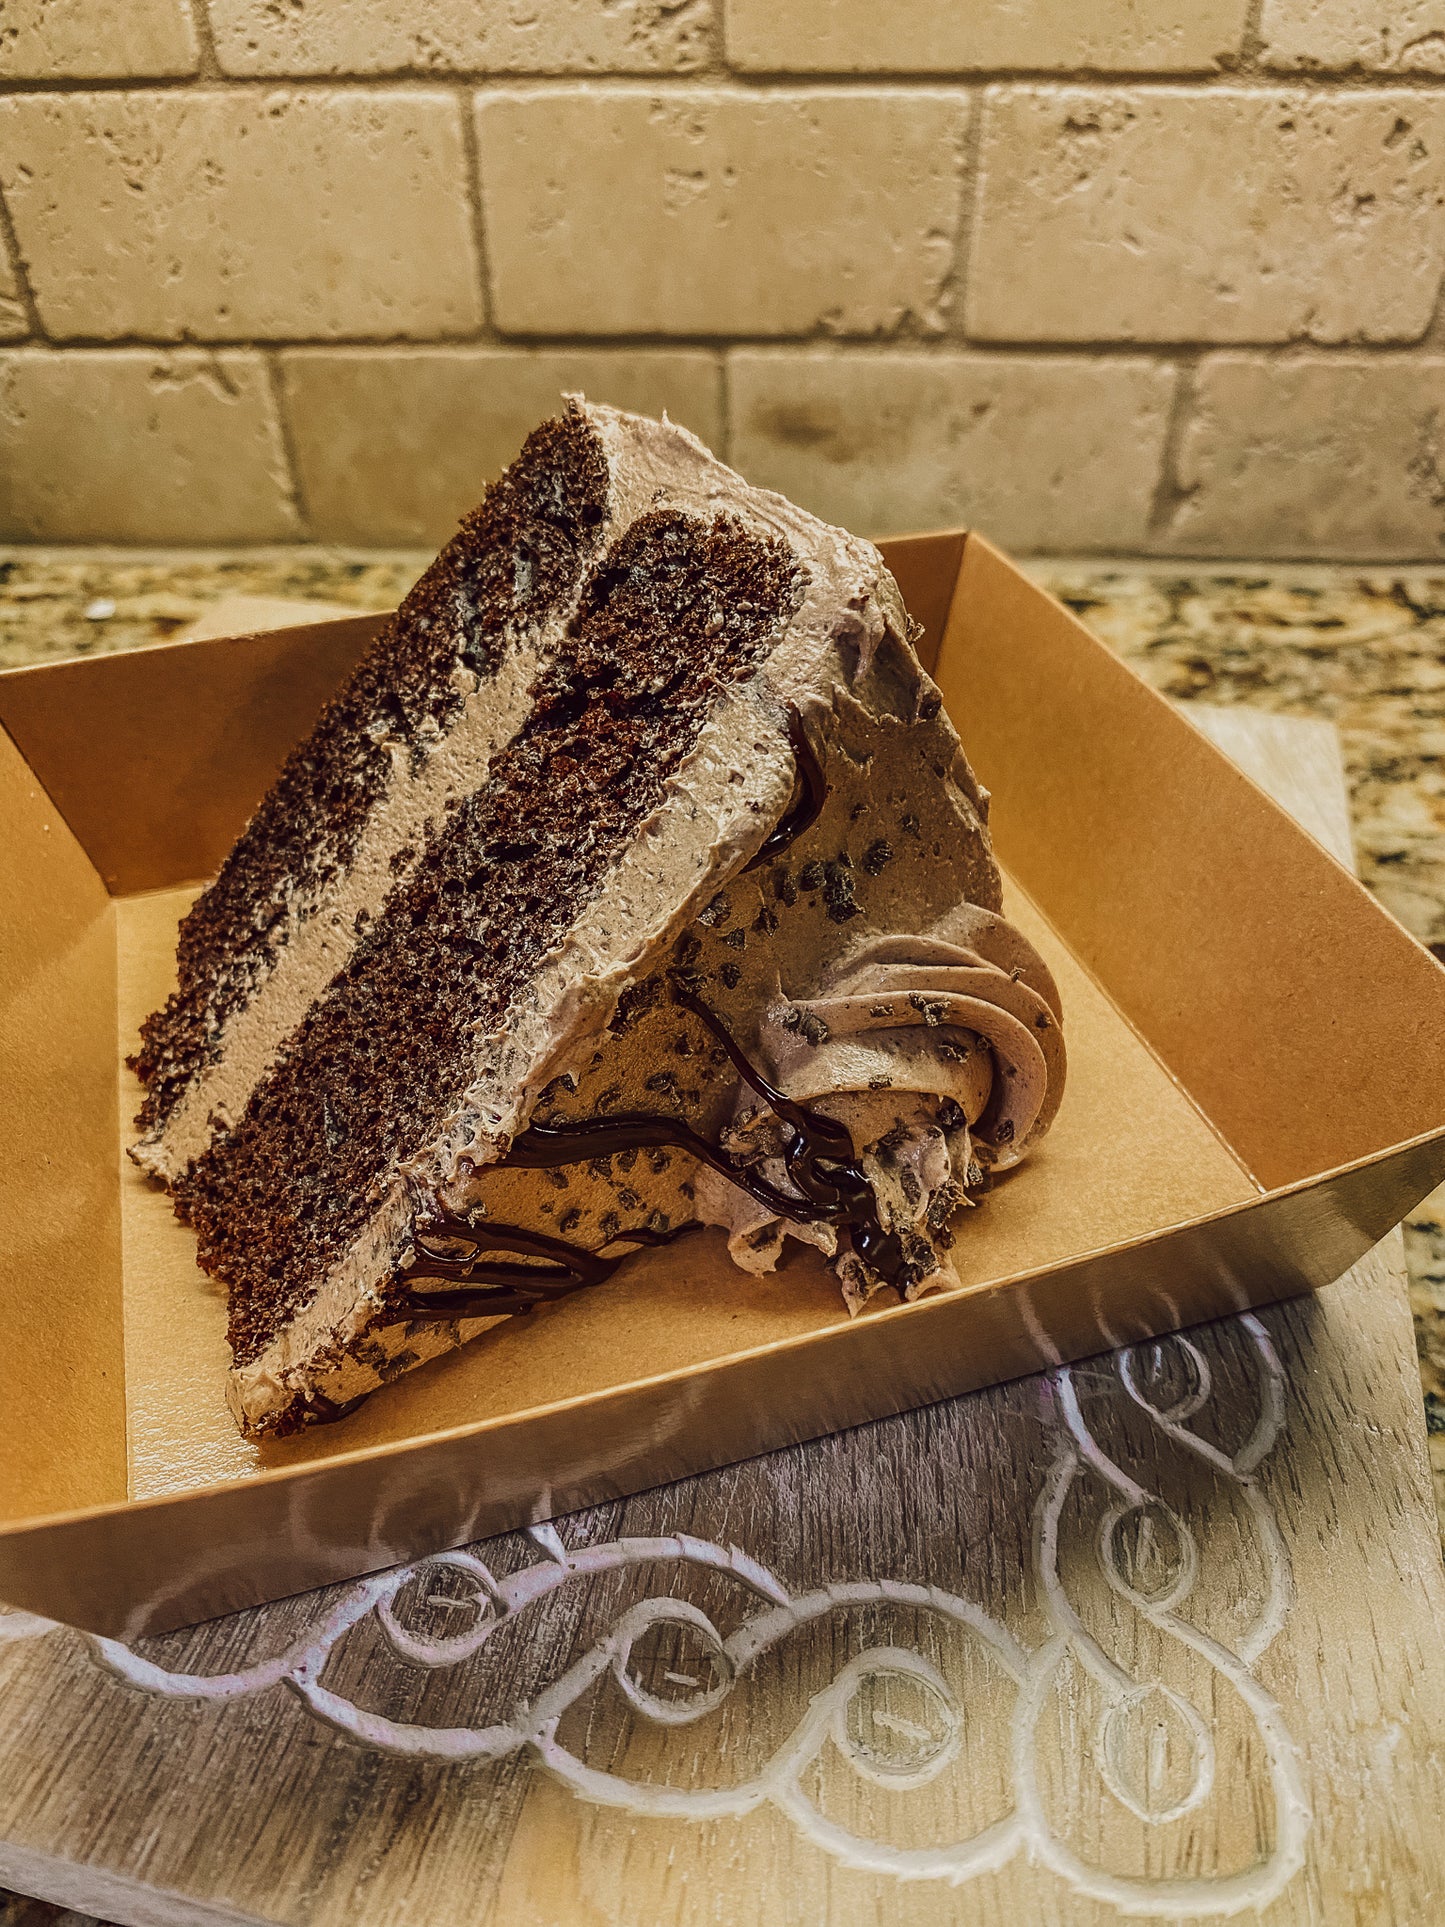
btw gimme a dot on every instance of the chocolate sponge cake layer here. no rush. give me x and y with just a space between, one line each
675 612
517 560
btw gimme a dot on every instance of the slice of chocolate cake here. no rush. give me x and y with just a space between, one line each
637 881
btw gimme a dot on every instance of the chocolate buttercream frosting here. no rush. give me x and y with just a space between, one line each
941 1053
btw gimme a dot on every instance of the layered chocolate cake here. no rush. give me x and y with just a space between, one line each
635 882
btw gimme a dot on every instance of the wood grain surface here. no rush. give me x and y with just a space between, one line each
1159 1635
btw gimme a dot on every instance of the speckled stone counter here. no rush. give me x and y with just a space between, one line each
1363 647
56 603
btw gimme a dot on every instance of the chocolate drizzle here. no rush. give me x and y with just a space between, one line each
819 1158
508 1290
810 792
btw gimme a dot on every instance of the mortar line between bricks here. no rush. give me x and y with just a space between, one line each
1228 561
1251 40
14 550
472 170
746 86
1434 335
1169 494
970 205
1159 562
281 403
209 68
10 248
718 65
934 347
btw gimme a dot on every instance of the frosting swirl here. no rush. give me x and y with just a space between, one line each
942 1053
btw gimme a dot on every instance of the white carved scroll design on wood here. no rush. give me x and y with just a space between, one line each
890 1715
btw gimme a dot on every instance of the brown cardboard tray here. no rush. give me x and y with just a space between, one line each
1256 1094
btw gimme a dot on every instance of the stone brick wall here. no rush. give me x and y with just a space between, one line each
1092 275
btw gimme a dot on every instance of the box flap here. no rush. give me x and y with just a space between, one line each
1306 1024
156 757
62 1372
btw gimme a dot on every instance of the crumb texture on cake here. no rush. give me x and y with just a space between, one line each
512 559
676 610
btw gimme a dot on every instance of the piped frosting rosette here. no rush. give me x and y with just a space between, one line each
943 1055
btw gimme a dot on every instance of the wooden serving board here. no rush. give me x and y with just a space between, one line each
1158 1635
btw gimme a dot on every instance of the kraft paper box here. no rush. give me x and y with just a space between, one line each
1256 1094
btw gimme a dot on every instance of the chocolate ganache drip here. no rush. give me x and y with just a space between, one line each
818 1156
810 793
507 1290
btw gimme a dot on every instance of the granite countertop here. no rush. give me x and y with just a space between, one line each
1362 647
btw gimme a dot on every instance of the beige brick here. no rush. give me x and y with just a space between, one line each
1221 215
461 36
133 445
95 39
715 212
13 323
919 36
1058 454
393 448
249 214
1319 456
1402 36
